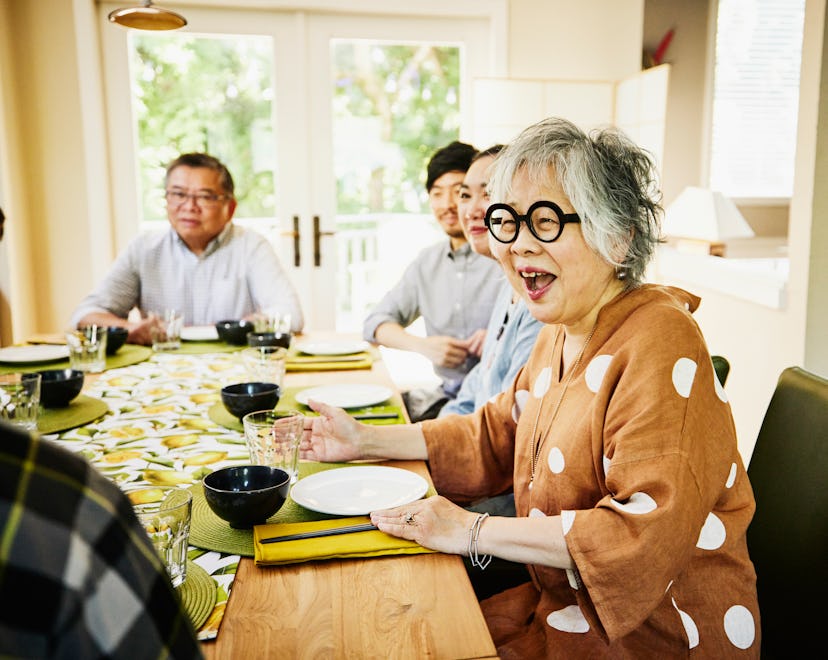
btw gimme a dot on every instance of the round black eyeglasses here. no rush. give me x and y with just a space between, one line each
545 220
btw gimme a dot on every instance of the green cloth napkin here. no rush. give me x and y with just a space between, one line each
373 543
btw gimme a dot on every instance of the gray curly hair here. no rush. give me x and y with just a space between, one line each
609 180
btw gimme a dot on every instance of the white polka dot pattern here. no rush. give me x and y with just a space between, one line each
521 397
740 627
731 478
638 504
542 383
556 461
569 619
712 533
567 518
690 626
596 370
684 371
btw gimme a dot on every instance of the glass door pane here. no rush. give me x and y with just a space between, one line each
394 104
231 76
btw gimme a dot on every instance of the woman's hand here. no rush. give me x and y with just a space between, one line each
433 522
331 437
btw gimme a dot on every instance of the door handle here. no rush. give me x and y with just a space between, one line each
296 241
317 240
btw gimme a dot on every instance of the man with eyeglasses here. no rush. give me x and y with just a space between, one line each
452 287
204 265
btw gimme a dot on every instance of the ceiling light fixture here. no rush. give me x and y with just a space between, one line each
147 17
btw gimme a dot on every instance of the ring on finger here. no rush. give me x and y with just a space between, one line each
409 519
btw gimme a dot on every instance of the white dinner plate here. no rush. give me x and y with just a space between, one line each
358 490
199 333
332 347
346 395
32 354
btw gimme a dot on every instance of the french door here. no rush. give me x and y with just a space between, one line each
340 248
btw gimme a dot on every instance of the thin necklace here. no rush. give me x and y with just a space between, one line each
537 440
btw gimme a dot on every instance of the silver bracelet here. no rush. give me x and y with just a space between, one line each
474 534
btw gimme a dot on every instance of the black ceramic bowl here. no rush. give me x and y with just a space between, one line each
234 332
59 387
269 339
246 495
115 338
243 398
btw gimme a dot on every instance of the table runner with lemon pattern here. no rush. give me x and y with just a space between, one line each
158 431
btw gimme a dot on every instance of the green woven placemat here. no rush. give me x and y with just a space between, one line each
82 410
209 531
219 414
198 594
126 355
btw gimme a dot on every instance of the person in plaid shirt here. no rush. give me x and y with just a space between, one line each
79 577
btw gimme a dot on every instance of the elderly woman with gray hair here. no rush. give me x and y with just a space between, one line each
632 500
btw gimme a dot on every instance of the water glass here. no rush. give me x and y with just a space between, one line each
273 439
20 399
269 320
265 364
166 333
87 348
165 514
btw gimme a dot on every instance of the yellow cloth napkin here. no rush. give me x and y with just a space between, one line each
342 546
314 363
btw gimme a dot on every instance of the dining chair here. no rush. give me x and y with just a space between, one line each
722 368
788 537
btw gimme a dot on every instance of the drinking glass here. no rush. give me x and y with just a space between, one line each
165 514
166 333
20 399
273 439
265 364
87 348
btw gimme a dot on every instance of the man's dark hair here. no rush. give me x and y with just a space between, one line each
204 160
455 157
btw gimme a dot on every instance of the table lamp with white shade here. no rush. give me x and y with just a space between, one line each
700 220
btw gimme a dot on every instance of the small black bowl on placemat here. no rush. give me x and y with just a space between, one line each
116 337
59 387
198 594
243 398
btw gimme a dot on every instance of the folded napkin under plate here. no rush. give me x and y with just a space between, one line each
301 362
372 543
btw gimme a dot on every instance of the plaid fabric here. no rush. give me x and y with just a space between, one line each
78 575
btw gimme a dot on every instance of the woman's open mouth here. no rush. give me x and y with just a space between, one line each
536 282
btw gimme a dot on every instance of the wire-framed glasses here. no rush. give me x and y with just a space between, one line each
202 199
545 220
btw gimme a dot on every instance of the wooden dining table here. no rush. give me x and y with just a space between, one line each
404 606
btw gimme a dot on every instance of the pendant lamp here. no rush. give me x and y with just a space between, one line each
147 17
